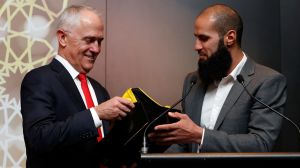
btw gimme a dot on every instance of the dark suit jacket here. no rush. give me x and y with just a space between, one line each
243 125
58 130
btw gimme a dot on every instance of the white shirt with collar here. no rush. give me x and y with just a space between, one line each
215 97
74 73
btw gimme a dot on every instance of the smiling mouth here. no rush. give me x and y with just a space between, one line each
91 57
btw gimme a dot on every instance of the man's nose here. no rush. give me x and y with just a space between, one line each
95 47
198 45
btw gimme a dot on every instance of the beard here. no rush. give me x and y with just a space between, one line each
216 66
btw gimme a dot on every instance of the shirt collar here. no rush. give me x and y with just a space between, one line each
73 72
236 71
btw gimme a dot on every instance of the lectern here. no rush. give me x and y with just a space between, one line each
191 160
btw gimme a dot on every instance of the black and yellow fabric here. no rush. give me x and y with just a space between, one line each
126 136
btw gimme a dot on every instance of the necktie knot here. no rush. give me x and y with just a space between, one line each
82 77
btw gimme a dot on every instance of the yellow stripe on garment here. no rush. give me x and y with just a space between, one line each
129 95
150 97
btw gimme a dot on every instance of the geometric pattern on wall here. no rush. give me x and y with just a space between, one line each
27 41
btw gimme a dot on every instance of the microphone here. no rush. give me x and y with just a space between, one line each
144 149
241 81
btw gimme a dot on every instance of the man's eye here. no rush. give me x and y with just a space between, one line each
203 38
88 40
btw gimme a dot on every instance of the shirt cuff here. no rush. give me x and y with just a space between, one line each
201 143
97 121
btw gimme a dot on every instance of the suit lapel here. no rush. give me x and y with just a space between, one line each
198 105
196 117
198 94
236 91
68 83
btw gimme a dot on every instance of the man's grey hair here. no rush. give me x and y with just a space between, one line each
71 16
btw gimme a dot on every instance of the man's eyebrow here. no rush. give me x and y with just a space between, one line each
93 38
202 36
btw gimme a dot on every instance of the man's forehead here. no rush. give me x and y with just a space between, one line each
204 23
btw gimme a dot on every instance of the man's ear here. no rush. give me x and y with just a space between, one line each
62 38
230 38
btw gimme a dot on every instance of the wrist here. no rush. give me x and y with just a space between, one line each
199 135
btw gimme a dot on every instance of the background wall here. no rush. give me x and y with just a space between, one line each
290 63
148 44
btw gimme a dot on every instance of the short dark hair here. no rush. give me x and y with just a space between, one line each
227 18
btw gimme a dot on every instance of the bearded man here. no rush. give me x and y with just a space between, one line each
219 115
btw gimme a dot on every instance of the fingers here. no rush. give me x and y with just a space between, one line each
183 131
124 107
161 132
166 127
173 126
114 109
171 133
163 137
176 115
125 102
122 114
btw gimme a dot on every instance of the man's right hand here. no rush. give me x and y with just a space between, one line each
114 109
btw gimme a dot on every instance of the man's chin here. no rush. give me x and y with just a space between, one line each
202 59
88 68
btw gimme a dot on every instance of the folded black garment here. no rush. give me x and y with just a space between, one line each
126 136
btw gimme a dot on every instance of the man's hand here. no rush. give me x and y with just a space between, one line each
183 131
114 109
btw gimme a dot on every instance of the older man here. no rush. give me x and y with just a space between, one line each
65 113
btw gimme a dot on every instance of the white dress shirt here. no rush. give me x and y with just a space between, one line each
74 73
215 97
